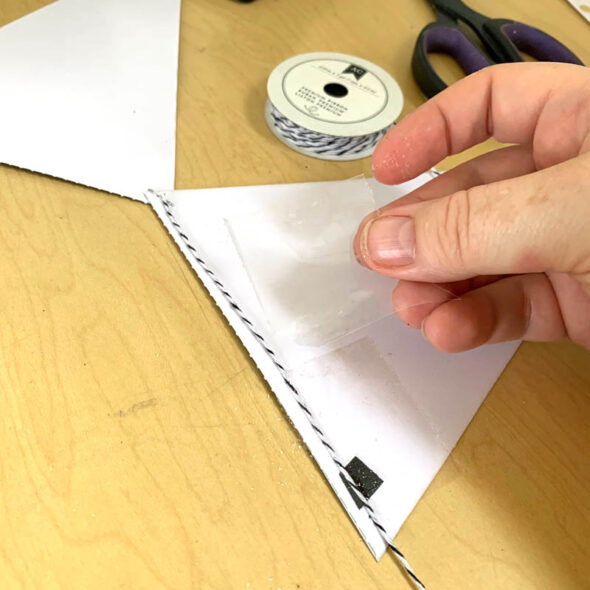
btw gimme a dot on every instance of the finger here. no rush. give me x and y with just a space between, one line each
413 301
503 101
516 307
533 223
501 164
497 165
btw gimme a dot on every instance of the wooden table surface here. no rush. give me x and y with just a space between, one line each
140 448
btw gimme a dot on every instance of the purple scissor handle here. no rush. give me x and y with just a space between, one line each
503 39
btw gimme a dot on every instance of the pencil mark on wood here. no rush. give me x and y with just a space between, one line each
148 403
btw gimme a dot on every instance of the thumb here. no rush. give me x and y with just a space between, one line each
534 223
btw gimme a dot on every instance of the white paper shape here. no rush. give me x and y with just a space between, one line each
381 394
88 93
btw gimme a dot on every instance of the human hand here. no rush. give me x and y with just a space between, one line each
499 247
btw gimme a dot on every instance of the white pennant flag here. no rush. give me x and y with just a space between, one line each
88 93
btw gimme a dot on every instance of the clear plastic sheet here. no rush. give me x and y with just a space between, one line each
299 257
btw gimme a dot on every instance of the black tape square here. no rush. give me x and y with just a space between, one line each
364 477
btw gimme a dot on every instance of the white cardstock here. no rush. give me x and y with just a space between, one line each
380 393
88 93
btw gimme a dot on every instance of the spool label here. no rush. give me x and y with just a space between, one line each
335 94
335 91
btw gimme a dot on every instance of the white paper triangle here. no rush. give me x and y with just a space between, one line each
88 93
381 394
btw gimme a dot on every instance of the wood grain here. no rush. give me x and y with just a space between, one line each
139 446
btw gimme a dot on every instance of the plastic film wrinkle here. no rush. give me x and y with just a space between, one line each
299 257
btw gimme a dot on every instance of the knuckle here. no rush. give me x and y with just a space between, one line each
454 229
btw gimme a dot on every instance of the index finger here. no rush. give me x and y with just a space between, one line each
504 101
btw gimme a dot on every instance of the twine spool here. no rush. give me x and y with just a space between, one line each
331 106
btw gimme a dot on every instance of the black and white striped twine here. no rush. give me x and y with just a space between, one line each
299 399
320 144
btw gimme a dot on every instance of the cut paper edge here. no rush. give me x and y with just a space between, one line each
89 93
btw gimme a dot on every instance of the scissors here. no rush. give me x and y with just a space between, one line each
503 39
